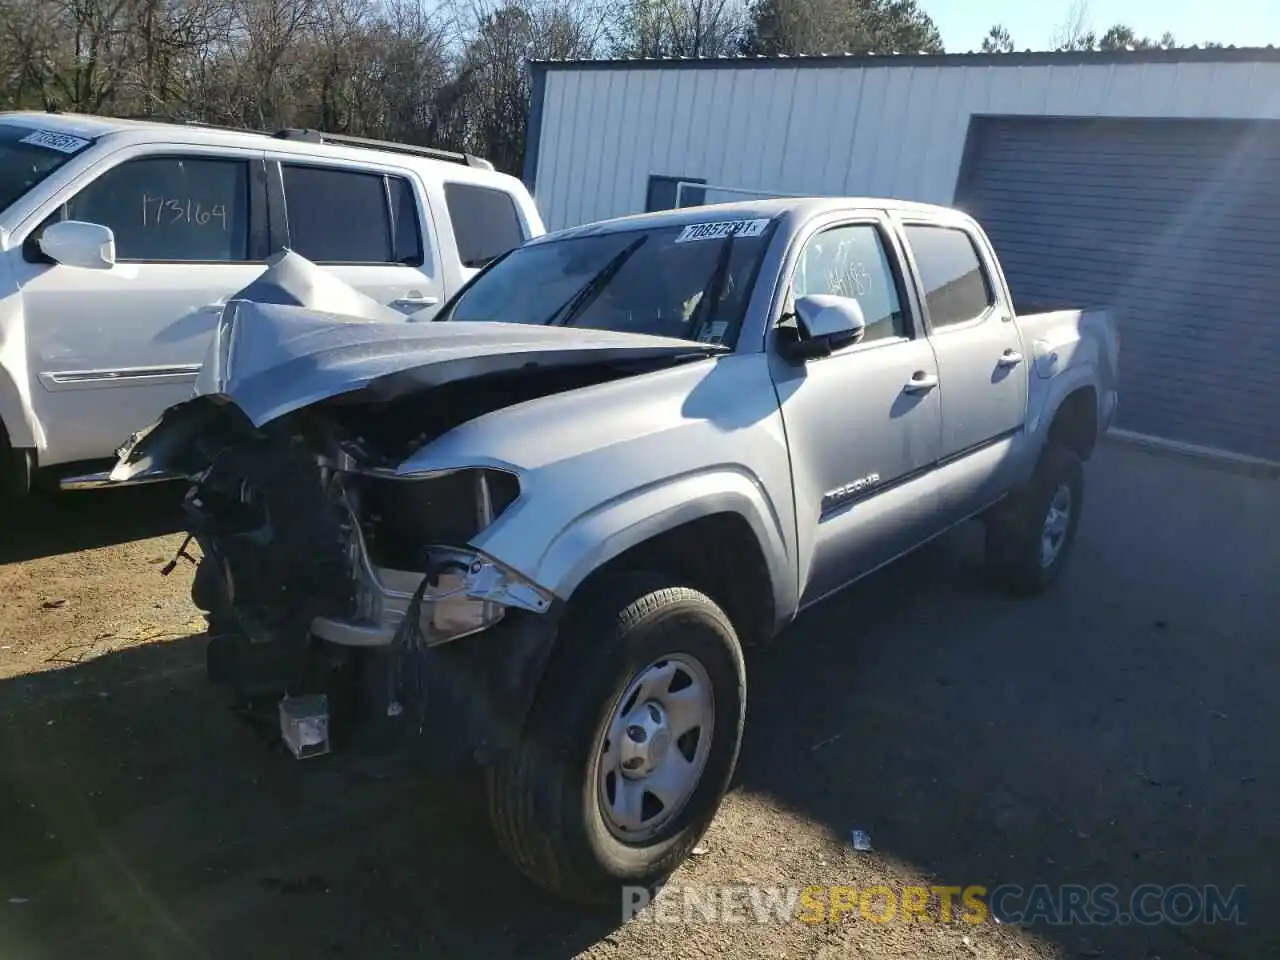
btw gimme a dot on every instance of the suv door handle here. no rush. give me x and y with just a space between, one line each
215 307
415 301
920 382
1010 358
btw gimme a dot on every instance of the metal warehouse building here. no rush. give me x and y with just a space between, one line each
1148 181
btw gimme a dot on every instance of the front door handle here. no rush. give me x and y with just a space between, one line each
1010 358
215 307
415 302
921 382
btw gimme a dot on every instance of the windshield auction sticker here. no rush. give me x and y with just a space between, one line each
62 142
720 229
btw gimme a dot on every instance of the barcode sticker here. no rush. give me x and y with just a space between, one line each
62 142
720 229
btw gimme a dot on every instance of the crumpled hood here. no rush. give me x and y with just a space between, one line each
272 359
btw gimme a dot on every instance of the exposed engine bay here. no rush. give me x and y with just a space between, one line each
325 572
313 531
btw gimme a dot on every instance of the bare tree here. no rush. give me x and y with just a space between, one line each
678 28
484 107
1075 32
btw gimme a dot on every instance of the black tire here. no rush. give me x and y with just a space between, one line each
208 595
543 794
222 646
1014 534
17 472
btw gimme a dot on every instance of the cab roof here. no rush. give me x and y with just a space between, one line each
793 209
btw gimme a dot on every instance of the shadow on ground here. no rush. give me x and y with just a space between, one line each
139 818
52 523
1116 731
1119 730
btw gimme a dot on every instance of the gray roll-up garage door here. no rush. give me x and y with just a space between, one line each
1173 223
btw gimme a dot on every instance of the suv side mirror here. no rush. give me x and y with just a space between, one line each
824 323
75 243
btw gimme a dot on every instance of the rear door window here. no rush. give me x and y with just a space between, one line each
351 216
956 286
171 209
485 222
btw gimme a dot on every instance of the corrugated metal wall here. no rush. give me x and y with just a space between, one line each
1174 224
821 128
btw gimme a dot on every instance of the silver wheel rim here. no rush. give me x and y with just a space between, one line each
1056 523
655 747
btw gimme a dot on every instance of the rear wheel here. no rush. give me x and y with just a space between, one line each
1030 538
630 744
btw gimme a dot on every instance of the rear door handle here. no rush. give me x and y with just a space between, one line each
921 382
415 301
1010 358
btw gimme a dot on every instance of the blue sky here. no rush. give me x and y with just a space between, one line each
1032 22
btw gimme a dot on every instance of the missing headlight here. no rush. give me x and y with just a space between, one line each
402 518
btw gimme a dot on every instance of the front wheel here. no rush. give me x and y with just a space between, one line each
1028 542
630 743
17 471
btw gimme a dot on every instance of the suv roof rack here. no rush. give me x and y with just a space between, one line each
346 140
307 135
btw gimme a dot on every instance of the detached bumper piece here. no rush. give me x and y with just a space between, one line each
304 725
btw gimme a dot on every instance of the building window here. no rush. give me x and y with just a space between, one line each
661 194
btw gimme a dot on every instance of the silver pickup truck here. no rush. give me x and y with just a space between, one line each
540 529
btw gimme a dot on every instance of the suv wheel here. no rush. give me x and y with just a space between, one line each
17 468
1029 541
630 743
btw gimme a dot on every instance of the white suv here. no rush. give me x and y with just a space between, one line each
120 240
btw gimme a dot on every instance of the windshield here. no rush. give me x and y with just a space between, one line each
28 156
689 281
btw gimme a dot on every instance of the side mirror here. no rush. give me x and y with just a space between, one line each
75 243
824 323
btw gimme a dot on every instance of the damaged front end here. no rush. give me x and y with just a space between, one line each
326 572
401 539
328 567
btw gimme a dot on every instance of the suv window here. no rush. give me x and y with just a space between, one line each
348 216
956 286
182 209
485 222
851 262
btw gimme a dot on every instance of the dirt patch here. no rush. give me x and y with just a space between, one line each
1115 732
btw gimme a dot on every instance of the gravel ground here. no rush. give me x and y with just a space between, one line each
1118 730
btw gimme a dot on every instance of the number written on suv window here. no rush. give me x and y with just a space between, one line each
171 209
